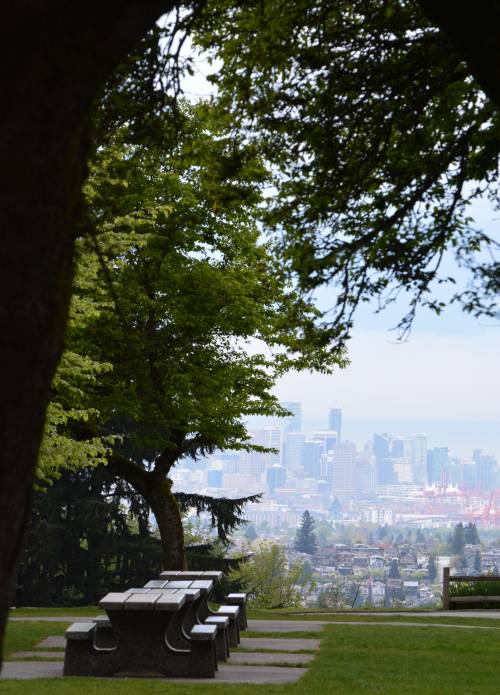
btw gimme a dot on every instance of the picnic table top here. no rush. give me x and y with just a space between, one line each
151 600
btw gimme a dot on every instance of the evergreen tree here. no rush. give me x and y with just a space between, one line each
305 539
457 541
394 572
420 536
471 535
477 561
432 569
251 534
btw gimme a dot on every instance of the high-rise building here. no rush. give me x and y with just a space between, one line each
485 470
341 468
293 448
311 459
381 446
292 423
414 450
335 422
255 462
275 477
438 466
327 438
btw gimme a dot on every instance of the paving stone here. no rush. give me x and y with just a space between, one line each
31 669
40 654
279 644
269 658
228 674
286 625
51 642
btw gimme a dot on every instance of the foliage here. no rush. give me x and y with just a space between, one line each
432 569
373 172
471 535
332 596
305 539
394 572
87 535
269 581
490 588
184 286
457 540
477 561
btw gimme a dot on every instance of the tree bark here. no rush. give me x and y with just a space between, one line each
157 491
54 59
472 28
168 517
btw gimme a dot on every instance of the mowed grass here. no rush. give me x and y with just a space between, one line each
353 659
25 635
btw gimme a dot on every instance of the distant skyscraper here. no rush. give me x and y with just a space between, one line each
311 459
293 423
342 466
328 439
381 446
275 477
438 466
294 445
335 422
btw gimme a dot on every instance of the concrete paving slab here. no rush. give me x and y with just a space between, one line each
23 670
287 625
19 670
54 641
278 644
39 654
269 658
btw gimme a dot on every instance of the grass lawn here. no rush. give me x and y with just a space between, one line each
23 636
353 659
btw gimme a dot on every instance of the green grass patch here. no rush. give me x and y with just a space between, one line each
475 588
90 611
25 635
353 659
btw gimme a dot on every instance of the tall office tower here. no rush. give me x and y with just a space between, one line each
275 477
381 446
365 478
254 462
293 448
385 472
341 468
438 466
311 459
414 450
486 472
335 422
327 438
292 423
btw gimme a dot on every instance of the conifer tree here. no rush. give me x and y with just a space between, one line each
432 569
305 539
394 570
457 541
471 535
477 561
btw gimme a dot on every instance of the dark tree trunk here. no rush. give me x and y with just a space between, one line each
472 28
168 517
54 59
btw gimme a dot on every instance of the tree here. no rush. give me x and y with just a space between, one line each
268 580
394 572
471 536
477 561
251 534
44 153
384 166
87 535
305 539
457 540
183 283
472 32
420 537
431 569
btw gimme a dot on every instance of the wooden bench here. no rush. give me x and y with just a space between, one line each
452 602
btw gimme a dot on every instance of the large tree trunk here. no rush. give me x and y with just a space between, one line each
54 58
168 517
473 30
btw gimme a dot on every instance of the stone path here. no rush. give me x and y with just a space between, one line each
286 625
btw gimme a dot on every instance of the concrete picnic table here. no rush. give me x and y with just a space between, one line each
150 634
